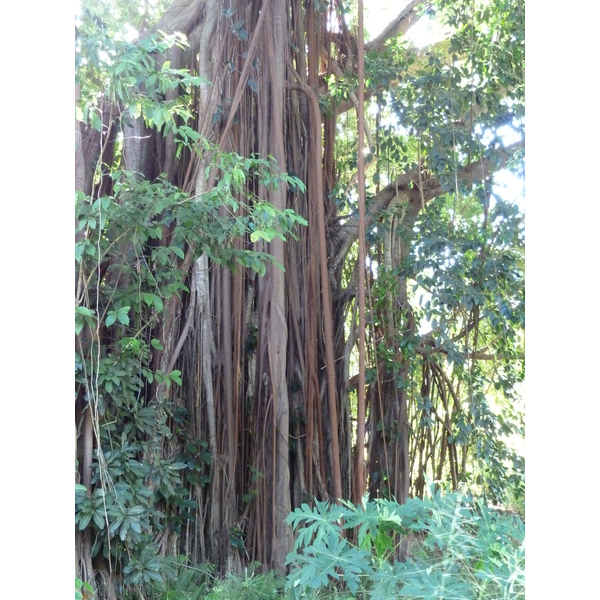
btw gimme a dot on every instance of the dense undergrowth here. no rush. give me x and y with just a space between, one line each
447 546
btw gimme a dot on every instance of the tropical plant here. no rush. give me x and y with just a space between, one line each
250 585
83 589
183 582
452 546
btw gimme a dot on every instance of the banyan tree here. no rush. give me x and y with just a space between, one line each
220 176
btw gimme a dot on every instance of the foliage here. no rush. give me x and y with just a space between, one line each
445 299
131 245
129 75
252 585
83 589
132 242
127 275
457 548
184 582
469 292
195 583
453 343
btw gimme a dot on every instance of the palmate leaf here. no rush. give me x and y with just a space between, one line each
331 559
322 522
433 583
386 584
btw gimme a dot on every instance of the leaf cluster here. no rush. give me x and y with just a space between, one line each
252 584
129 255
134 78
457 548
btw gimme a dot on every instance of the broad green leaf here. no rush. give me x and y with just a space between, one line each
260 234
177 251
176 377
78 325
135 110
99 520
158 303
96 122
84 521
151 81
123 316
148 298
158 116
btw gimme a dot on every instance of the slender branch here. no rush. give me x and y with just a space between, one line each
184 333
438 373
477 355
361 408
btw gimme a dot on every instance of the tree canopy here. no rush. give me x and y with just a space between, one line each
230 156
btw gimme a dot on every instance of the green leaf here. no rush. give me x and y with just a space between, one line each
135 526
131 343
156 344
96 122
274 233
84 521
122 315
79 251
260 234
178 466
136 511
151 81
158 303
135 110
99 520
177 251
148 298
158 116
268 209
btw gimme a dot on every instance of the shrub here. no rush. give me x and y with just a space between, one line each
251 585
458 548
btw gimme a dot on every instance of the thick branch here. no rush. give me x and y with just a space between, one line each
407 185
473 355
182 16
400 25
